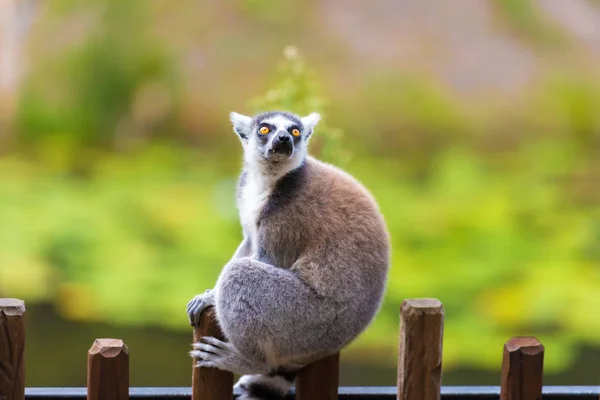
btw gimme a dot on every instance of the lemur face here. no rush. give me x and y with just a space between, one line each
275 135
278 135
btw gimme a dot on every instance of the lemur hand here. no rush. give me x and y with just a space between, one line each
198 304
213 353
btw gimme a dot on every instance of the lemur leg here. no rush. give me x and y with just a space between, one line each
198 304
271 318
214 353
270 314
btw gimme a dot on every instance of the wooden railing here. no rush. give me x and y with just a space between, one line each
419 367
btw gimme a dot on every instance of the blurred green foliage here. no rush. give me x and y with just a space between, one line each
494 211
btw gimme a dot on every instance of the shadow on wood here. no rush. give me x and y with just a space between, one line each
319 380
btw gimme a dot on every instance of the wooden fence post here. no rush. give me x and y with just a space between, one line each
210 383
319 380
522 369
420 350
12 349
108 370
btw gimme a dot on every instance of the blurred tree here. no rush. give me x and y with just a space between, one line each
15 18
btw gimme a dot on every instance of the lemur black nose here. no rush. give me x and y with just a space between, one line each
284 138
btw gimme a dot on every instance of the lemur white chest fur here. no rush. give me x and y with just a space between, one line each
254 196
258 185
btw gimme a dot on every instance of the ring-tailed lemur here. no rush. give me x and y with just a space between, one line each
311 270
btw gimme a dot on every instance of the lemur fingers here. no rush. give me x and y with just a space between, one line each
214 353
198 304
207 348
214 342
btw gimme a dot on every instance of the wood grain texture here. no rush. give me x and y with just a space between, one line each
12 349
210 383
319 380
522 369
420 350
108 370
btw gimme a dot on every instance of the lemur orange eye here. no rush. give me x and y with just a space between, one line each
264 130
296 132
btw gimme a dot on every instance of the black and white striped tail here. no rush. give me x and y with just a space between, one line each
271 386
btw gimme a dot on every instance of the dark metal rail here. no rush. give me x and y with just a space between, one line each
345 393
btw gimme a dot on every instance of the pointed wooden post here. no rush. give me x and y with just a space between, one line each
522 369
12 349
420 350
210 383
319 380
108 370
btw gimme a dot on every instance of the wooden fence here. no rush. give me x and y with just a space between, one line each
419 362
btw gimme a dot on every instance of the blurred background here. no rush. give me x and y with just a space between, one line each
476 125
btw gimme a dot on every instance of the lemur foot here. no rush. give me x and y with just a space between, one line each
213 353
198 304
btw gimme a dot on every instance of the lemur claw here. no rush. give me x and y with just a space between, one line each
198 304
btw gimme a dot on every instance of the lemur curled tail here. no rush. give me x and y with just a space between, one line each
311 270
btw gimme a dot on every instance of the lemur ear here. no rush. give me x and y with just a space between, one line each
241 124
309 122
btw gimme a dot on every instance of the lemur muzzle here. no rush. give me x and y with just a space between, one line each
282 144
